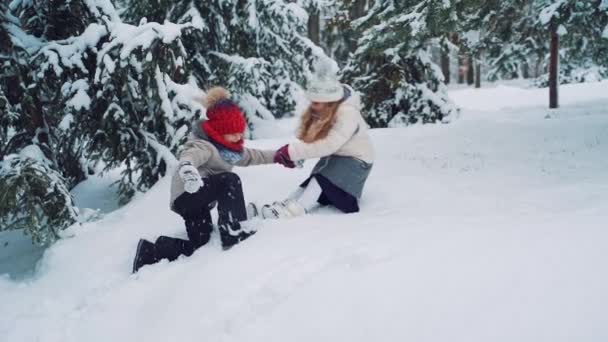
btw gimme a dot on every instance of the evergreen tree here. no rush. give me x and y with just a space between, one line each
18 124
341 36
147 10
94 90
9 73
119 85
392 66
514 47
68 34
34 195
141 111
580 25
515 37
314 9
256 49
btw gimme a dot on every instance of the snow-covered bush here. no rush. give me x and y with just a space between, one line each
34 196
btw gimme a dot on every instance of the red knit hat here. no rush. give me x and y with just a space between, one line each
223 117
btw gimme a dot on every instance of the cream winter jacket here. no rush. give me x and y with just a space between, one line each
348 137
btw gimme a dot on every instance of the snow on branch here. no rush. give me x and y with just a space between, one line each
69 53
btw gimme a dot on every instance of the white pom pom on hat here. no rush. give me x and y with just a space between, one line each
324 85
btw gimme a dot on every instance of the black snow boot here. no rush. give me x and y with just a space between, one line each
232 233
145 255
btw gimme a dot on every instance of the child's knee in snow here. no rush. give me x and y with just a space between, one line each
231 178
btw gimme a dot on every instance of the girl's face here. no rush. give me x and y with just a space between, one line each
234 137
317 107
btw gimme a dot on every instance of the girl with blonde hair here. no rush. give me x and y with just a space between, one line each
333 130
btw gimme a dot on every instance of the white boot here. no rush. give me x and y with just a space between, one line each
282 210
253 210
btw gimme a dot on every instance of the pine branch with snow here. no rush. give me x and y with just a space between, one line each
515 38
35 197
580 25
256 49
103 92
140 117
392 67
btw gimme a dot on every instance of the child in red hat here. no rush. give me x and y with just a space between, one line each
204 178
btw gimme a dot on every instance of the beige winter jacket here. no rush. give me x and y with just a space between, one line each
348 137
206 158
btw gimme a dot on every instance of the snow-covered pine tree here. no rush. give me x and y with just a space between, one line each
67 35
35 195
580 25
340 36
144 104
256 49
21 121
9 73
515 38
124 87
392 66
314 8
513 46
100 90
152 10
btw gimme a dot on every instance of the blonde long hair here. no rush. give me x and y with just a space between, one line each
316 126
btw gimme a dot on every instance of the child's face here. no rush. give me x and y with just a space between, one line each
317 107
234 137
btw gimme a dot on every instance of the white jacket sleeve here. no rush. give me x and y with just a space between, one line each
344 129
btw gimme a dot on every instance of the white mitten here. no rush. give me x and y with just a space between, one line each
190 176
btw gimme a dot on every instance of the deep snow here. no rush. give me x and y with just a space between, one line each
491 228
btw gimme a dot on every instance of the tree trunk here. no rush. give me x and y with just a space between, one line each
553 70
461 65
358 9
525 71
461 69
314 29
470 70
445 65
39 121
478 70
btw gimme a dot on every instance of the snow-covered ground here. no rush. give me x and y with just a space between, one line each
18 255
94 197
491 228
